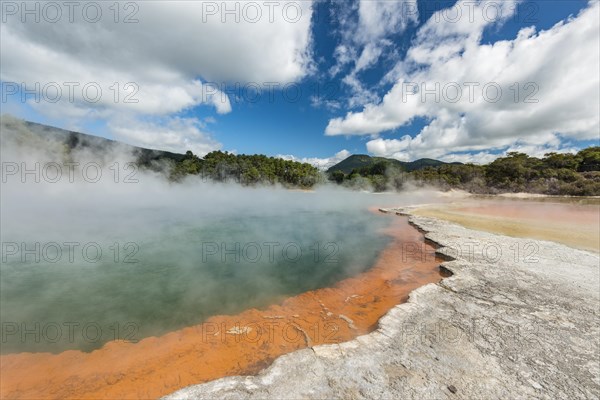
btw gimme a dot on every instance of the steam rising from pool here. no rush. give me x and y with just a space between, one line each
85 262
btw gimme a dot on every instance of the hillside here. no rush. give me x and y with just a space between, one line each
360 161
554 174
59 144
38 136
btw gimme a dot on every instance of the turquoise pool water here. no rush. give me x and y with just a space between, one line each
115 275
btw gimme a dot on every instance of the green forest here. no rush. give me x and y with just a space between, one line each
554 174
247 170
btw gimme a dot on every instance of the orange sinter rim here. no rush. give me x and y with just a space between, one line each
227 345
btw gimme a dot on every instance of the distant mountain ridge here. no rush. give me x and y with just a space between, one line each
358 161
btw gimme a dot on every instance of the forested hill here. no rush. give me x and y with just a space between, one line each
362 161
248 169
31 134
554 174
215 166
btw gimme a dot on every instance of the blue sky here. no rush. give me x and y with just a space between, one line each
277 124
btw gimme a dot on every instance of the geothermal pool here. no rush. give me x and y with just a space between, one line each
215 291
174 274
141 290
133 291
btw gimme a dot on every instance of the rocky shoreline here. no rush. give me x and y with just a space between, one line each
518 319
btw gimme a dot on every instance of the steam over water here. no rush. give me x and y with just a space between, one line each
172 271
87 261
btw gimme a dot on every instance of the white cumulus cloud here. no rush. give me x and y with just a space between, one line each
150 59
365 29
169 133
538 87
321 163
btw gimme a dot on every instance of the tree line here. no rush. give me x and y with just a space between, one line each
554 174
246 170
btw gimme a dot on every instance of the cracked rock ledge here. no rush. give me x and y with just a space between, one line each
519 319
